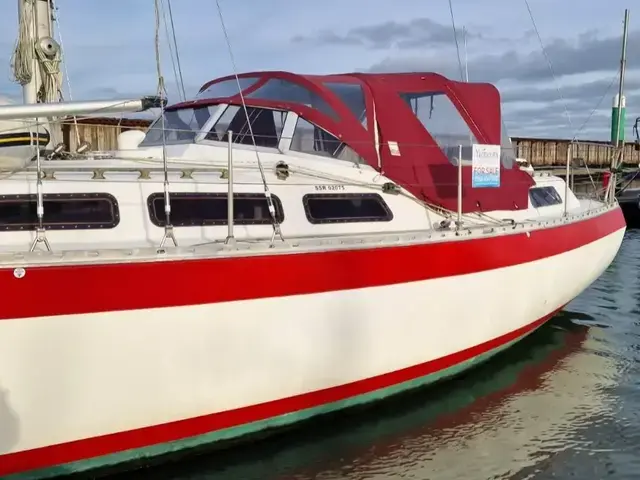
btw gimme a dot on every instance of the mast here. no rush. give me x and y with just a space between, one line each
36 61
36 51
618 130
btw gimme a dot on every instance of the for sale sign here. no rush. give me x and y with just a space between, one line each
485 166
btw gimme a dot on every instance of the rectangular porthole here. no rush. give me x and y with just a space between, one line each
346 207
204 209
62 211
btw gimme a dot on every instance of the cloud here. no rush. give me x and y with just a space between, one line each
585 68
415 33
589 95
585 120
584 55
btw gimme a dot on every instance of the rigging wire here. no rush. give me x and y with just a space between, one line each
63 61
40 236
175 42
613 79
557 85
181 93
584 124
455 38
168 228
546 56
272 211
595 109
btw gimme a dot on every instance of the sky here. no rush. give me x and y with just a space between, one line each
109 49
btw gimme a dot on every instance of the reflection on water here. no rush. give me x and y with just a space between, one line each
564 403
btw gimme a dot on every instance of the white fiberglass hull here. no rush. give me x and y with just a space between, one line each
84 376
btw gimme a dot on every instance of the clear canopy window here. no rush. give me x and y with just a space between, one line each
443 121
352 96
227 88
266 125
276 89
311 139
180 125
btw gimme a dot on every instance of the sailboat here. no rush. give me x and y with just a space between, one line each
381 238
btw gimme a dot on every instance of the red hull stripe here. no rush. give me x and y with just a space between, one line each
60 290
79 450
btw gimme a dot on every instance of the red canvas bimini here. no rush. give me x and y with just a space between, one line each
405 106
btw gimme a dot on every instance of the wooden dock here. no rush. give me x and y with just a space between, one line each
548 153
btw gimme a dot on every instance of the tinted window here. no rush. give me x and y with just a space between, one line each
61 211
266 125
201 209
285 91
341 208
544 196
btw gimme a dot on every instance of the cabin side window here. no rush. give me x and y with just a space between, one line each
440 117
544 197
346 208
313 140
207 209
265 123
62 211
